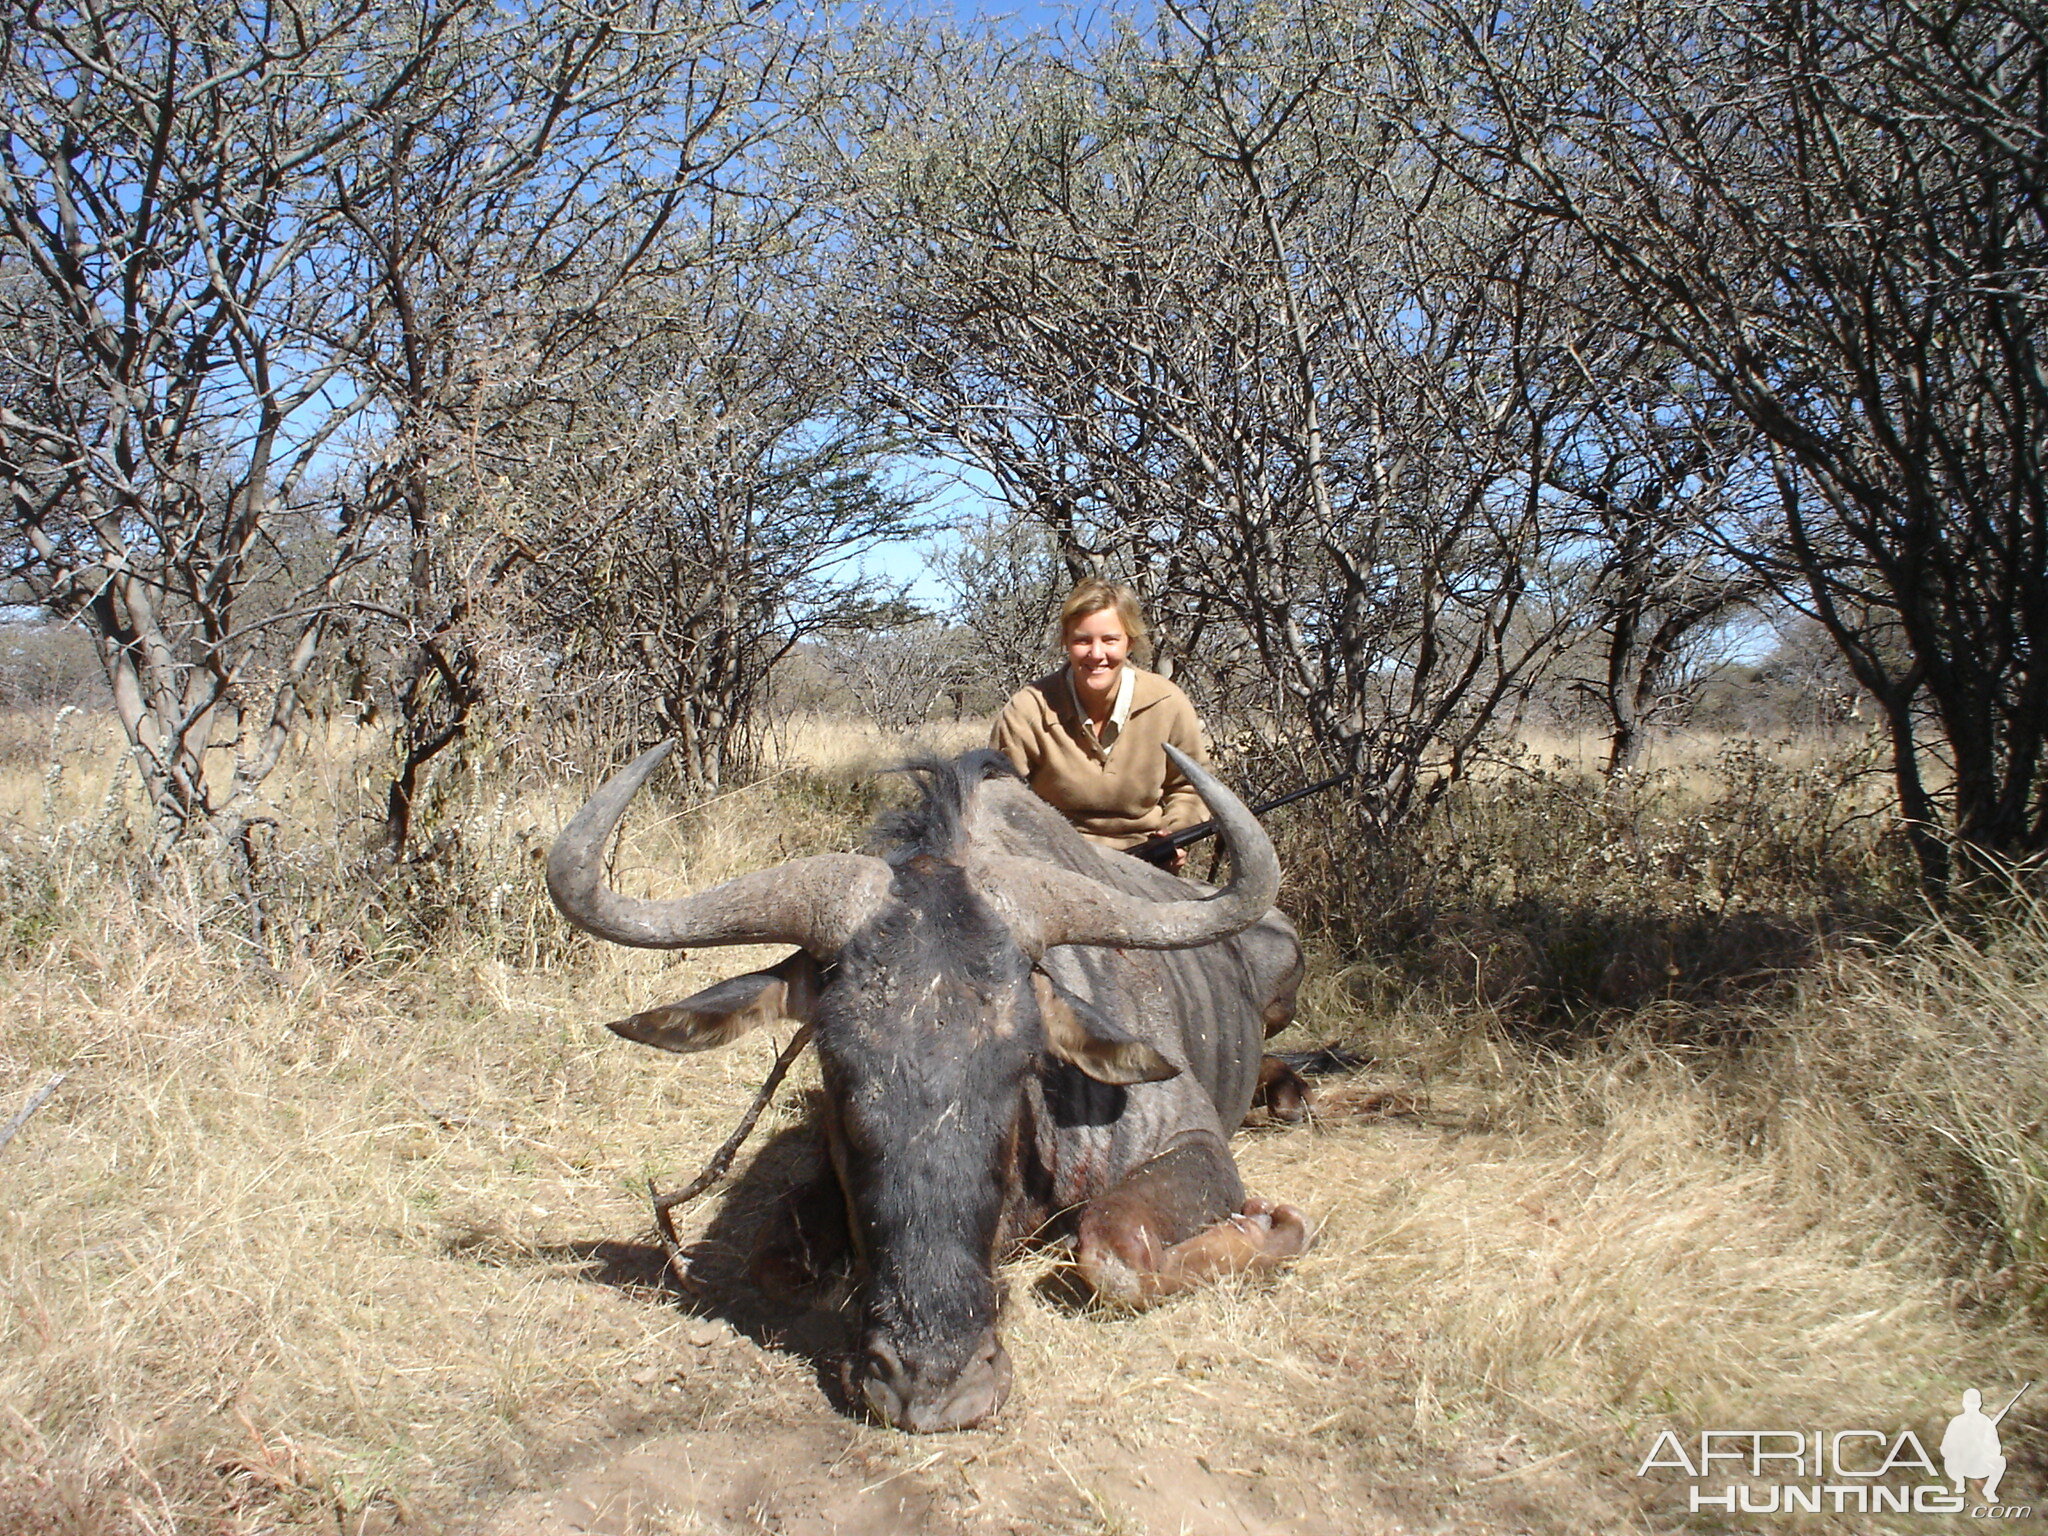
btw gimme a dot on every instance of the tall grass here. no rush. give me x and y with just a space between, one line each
1942 1044
303 1229
333 1218
1565 900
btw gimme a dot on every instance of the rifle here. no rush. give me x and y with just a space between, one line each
2009 1406
1160 850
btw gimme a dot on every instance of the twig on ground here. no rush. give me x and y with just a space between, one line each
721 1160
42 1095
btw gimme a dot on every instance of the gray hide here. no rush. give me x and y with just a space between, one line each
1206 1010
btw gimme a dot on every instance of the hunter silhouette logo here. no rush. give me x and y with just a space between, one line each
1861 1471
1970 1448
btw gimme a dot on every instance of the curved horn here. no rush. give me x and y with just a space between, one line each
1072 909
815 902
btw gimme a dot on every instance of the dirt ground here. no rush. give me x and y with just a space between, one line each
831 1480
1234 1412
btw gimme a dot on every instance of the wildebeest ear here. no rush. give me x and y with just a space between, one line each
720 1014
1078 1035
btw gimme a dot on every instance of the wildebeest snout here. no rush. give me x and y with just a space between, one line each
924 1402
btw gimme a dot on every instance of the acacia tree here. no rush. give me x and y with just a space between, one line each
700 506
1837 212
1006 584
897 674
1649 486
177 333
273 269
513 232
1199 311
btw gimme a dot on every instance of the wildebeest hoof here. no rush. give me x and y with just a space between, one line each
1127 1269
1281 1231
1283 1092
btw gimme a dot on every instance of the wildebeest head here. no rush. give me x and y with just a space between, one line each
918 971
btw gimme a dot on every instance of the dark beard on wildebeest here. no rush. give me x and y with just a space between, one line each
925 1038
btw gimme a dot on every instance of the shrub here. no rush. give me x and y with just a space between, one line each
1565 898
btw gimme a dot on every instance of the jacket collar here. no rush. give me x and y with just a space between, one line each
1119 707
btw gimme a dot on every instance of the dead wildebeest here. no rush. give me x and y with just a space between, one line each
1019 1034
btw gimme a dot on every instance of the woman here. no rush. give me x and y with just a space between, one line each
1089 738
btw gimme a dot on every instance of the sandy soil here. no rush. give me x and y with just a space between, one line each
1197 1418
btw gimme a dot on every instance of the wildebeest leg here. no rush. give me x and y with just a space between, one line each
805 1240
1282 1091
1179 1221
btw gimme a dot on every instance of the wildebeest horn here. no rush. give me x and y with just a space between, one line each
1072 909
815 902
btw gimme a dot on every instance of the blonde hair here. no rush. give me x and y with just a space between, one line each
1093 595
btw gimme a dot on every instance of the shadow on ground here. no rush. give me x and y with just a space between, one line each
716 1285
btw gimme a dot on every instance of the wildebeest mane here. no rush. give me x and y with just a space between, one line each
936 823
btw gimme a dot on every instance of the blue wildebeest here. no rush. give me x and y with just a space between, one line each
1018 1033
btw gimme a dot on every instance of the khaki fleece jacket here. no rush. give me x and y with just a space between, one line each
1114 798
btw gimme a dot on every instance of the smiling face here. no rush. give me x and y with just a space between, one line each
1097 644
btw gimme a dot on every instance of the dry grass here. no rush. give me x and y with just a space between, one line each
1941 1042
857 746
343 1225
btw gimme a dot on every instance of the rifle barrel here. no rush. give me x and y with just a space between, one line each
2009 1406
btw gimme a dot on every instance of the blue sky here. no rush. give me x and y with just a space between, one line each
951 495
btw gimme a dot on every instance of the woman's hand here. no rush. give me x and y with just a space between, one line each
1175 862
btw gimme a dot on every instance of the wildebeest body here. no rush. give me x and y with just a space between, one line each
1207 1009
1017 1033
